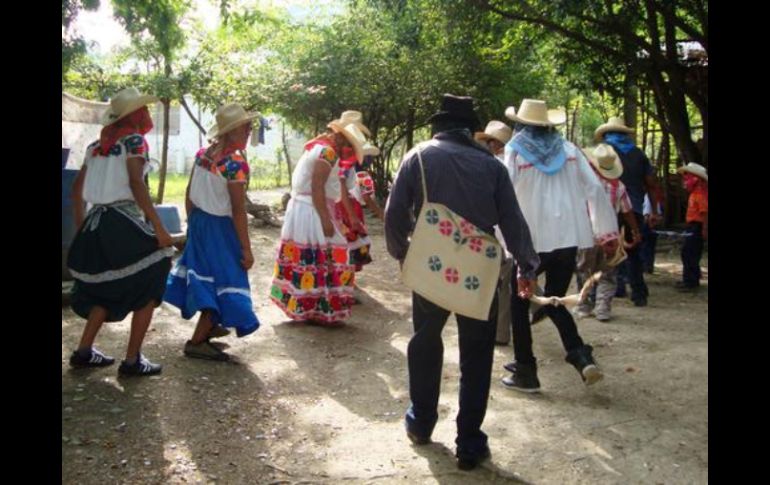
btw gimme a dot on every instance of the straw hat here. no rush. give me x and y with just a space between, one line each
613 125
535 112
124 103
695 169
353 134
370 150
229 117
606 161
496 130
356 118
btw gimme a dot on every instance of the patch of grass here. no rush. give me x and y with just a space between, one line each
176 184
263 175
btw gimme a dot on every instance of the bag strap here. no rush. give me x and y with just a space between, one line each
422 177
485 236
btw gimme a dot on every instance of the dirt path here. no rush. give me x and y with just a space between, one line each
315 405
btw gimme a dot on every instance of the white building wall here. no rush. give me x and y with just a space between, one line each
183 143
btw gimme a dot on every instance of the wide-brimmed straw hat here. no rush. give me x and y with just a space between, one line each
353 134
356 118
535 112
613 125
370 150
606 161
125 102
495 130
695 169
229 117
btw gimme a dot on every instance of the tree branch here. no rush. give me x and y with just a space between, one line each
183 102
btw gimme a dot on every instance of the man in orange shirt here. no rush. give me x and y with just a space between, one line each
695 181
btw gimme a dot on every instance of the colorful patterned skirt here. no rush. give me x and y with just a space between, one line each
313 277
209 275
116 262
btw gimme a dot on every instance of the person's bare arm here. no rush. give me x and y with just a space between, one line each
321 172
77 198
237 193
656 199
142 197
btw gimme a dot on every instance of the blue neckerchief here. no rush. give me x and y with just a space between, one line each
620 141
543 149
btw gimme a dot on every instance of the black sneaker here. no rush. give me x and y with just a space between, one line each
523 377
640 302
142 367
469 462
585 364
93 359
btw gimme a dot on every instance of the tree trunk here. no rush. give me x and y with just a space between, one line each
574 121
286 149
410 127
645 119
675 107
671 212
630 93
183 102
164 151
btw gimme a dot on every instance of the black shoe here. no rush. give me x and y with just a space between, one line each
585 364
523 377
640 302
417 439
93 359
469 462
142 367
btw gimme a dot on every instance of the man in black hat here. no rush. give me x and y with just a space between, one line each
466 178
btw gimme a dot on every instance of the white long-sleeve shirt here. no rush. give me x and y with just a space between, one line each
554 206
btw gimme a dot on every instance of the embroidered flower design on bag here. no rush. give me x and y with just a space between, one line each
466 227
472 283
457 237
451 275
435 263
475 244
431 216
491 252
445 228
